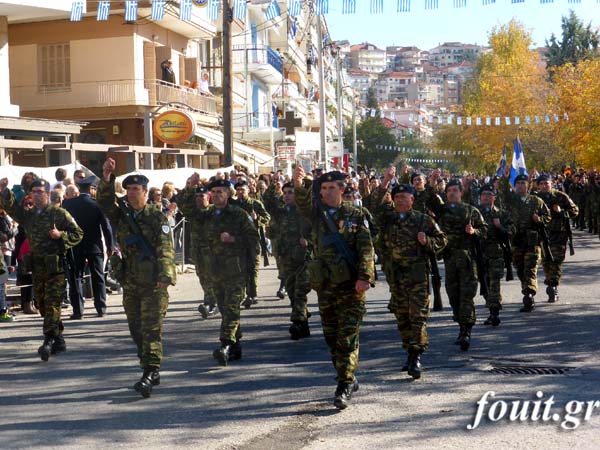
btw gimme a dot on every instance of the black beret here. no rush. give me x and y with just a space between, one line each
241 183
372 178
201 190
92 180
403 188
416 174
40 183
218 183
142 180
454 182
521 178
289 184
488 188
349 190
335 175
543 177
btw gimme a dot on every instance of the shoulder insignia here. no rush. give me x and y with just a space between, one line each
165 229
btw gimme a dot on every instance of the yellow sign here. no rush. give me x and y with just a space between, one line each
174 127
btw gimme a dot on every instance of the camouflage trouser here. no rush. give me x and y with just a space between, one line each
526 262
229 288
495 269
409 287
252 281
297 285
580 219
145 308
202 264
553 270
342 310
49 291
461 285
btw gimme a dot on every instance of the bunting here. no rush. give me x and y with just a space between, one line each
487 2
185 10
239 10
158 10
460 3
321 7
349 7
273 10
376 6
76 11
294 28
131 10
295 7
431 4
103 11
213 9
403 6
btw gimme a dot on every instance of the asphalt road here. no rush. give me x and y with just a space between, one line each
279 396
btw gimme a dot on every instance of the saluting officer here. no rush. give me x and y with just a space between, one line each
146 268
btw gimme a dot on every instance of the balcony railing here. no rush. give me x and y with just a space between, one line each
193 98
258 55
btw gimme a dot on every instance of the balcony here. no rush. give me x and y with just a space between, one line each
260 61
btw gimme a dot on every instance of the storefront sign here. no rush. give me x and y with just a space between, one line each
174 127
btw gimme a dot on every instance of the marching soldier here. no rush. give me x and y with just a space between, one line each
528 213
408 237
232 238
577 194
499 230
562 210
341 272
426 199
146 267
291 240
51 231
462 223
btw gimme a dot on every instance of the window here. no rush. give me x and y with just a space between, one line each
54 67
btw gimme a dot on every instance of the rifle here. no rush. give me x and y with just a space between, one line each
436 284
570 236
481 266
507 255
263 246
545 241
137 238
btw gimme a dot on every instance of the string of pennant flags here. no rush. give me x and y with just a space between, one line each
422 151
294 7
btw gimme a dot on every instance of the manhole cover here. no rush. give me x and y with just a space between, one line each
530 370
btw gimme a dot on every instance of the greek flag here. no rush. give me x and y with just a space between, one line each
518 162
239 10
294 28
376 6
76 11
326 38
431 4
460 3
185 10
517 1
550 1
213 9
502 163
295 7
487 2
403 6
158 10
576 1
103 11
273 10
131 8
349 7
321 7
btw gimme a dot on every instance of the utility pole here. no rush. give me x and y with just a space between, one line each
354 146
339 101
226 83
322 113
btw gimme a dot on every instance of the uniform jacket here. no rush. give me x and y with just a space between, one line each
93 222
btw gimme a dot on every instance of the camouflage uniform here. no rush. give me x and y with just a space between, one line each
228 261
291 227
47 255
577 194
592 196
145 304
428 201
459 259
409 269
340 305
557 233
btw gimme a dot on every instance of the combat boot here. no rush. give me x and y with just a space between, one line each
235 352
414 366
552 292
494 318
299 330
222 354
343 394
465 341
406 363
460 335
150 378
247 303
281 291
58 346
205 310
45 349
528 303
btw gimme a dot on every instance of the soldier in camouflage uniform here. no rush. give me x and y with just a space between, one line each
51 231
232 238
426 199
528 213
409 238
146 267
562 209
291 240
592 196
577 194
499 229
260 216
341 272
462 223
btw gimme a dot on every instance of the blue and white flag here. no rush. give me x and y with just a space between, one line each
488 2
543 2
213 9
326 38
185 10
131 10
293 28
518 162
103 11
403 6
460 3
502 163
295 7
517 1
321 7
273 10
239 10
158 10
349 7
431 4
76 11
376 6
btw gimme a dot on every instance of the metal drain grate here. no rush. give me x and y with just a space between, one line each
529 370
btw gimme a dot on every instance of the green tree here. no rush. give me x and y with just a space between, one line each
372 102
371 137
579 43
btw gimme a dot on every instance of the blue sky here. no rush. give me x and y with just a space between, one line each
472 24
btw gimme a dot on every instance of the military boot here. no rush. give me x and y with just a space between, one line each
222 354
203 310
150 378
281 291
465 341
58 346
247 303
343 394
494 318
45 349
414 366
528 303
299 330
235 352
460 335
552 292
407 362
